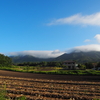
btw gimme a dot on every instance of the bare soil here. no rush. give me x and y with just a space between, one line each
50 77
49 87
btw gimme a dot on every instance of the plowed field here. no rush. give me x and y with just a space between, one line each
50 87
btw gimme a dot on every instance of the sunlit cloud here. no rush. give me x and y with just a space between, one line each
56 53
97 37
39 54
85 48
93 19
89 47
87 40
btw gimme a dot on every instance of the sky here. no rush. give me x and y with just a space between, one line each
49 28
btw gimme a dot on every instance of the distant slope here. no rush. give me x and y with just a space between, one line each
27 58
79 57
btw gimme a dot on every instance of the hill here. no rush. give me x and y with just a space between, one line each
80 57
28 58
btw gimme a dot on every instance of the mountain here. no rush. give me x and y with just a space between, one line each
28 58
79 57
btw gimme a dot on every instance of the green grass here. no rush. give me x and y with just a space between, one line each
3 93
53 70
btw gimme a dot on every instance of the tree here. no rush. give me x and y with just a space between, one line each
89 65
57 64
98 65
5 61
43 63
81 66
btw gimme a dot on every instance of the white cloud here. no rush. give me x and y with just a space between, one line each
39 54
87 40
97 37
93 19
85 48
56 53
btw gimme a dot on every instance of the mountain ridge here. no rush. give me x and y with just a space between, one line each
28 58
80 57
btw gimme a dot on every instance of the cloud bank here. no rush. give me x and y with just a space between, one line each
97 37
87 40
56 53
39 54
85 48
93 19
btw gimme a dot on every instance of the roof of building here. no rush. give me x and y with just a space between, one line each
69 61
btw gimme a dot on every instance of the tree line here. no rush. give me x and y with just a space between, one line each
41 64
5 61
87 65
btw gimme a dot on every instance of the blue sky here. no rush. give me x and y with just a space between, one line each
49 28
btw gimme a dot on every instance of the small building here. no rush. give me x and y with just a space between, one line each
70 64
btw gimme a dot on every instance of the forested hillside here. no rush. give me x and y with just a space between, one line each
28 58
5 61
80 57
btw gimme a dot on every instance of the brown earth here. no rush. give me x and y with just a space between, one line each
49 76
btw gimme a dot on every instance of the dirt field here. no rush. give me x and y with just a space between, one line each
49 77
50 87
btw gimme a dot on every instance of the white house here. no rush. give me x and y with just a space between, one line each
70 64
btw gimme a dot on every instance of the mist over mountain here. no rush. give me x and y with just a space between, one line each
79 57
38 54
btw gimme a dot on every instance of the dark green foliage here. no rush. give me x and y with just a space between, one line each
42 64
28 58
98 65
80 57
5 61
89 65
81 66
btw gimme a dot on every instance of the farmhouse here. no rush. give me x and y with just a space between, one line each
70 64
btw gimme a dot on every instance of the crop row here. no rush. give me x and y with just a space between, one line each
35 89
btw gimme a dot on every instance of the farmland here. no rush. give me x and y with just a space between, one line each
49 87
